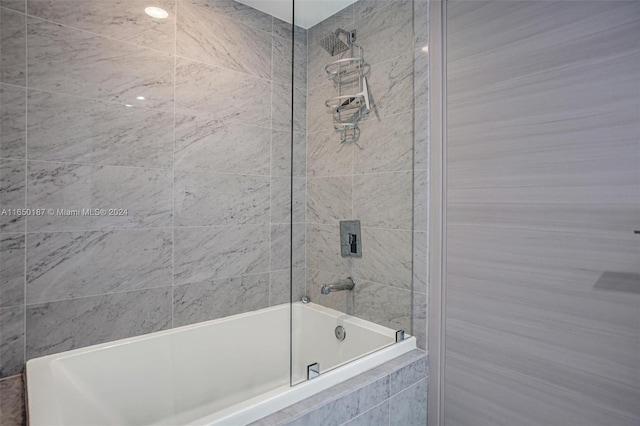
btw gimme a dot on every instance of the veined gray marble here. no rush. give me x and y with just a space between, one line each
318 119
12 400
280 286
384 200
385 145
70 324
240 13
11 340
78 63
209 37
17 5
281 108
421 139
377 416
12 251
386 258
213 146
220 298
419 319
281 154
387 32
326 156
123 20
314 282
281 237
281 196
68 265
347 407
384 305
12 194
420 261
420 200
362 8
203 199
421 80
75 130
202 254
222 94
323 249
391 86
407 376
409 407
328 199
421 23
145 193
288 69
13 46
13 121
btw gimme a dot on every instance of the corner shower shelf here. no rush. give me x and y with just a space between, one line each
344 66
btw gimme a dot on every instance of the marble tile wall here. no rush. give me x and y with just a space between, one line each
186 122
380 180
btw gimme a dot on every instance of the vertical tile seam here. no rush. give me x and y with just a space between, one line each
271 170
173 164
26 179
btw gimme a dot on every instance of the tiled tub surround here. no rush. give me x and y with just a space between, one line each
381 180
202 163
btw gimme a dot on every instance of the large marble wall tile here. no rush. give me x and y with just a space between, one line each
17 5
391 86
75 130
75 62
70 324
339 300
13 45
386 258
290 67
421 79
203 199
11 340
323 250
408 375
420 261
209 37
329 199
280 286
12 252
205 301
204 145
326 156
281 237
378 416
387 32
318 119
202 254
281 108
384 200
420 200
145 193
385 145
12 409
348 406
286 30
362 8
123 20
421 23
419 319
12 194
409 407
281 154
222 94
281 197
387 306
421 139
241 13
67 265
13 121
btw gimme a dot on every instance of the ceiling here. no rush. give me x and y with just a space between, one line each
308 12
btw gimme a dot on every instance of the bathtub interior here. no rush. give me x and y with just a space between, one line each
207 370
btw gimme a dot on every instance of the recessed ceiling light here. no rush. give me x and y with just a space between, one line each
156 12
128 105
425 49
140 98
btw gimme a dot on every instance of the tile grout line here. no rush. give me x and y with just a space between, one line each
271 174
26 176
173 169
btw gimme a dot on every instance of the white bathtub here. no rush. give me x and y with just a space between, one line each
230 371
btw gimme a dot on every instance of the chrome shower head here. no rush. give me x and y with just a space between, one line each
333 44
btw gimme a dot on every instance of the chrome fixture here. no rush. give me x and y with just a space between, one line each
399 336
305 300
313 370
333 44
350 238
347 284
340 332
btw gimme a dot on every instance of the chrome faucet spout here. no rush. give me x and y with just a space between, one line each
347 284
